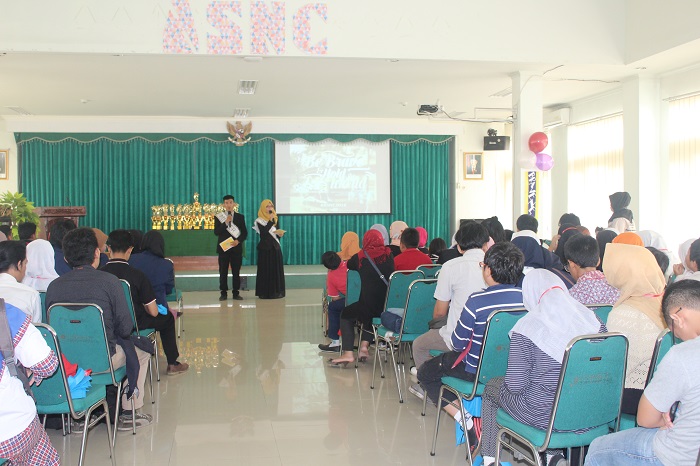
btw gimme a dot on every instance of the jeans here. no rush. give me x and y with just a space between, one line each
334 310
391 321
432 371
627 448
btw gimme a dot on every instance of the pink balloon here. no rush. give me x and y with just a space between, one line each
544 162
538 141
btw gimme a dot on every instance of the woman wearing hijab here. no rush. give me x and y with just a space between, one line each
537 257
634 271
652 239
40 265
604 237
372 295
269 282
683 270
633 239
622 219
155 266
382 230
537 344
395 230
349 245
422 239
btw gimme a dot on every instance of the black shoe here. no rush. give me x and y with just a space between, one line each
223 297
237 297
329 348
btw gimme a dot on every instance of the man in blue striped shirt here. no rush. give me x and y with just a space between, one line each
502 266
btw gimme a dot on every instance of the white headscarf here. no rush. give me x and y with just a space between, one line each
554 318
683 252
40 265
652 239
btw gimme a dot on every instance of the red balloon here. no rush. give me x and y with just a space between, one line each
538 141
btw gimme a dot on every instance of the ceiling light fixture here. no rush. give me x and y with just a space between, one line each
19 110
247 87
240 113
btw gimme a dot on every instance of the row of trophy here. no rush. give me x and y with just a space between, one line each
193 216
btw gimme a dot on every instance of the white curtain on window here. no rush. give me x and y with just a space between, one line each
595 151
683 221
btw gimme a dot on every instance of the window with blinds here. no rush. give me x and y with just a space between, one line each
683 168
595 151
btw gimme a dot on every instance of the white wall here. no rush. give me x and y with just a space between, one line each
7 141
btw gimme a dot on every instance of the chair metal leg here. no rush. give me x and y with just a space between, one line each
425 403
374 365
109 432
116 413
396 373
537 460
437 420
181 314
150 379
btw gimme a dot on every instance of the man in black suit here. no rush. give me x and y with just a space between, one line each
232 227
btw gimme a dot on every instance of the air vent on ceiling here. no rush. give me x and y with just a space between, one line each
20 110
247 87
241 113
503 93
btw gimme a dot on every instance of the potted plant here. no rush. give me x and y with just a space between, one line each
19 209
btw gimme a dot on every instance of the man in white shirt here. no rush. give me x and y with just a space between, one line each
13 266
458 279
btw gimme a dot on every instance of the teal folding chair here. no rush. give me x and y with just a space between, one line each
588 396
42 297
493 362
147 333
53 396
430 270
601 310
175 296
81 332
418 312
353 287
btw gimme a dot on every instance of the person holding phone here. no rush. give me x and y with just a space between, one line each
269 283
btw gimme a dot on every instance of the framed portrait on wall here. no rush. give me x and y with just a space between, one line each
473 166
4 160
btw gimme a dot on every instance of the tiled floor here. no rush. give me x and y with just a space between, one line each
258 392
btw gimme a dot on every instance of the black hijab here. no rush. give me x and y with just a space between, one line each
619 202
604 237
154 243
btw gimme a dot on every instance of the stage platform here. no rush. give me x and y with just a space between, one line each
193 278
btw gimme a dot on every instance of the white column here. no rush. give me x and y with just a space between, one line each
527 110
642 163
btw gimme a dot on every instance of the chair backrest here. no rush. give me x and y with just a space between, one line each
419 306
129 302
493 361
54 390
591 382
353 287
601 310
81 332
430 269
397 291
664 342
42 297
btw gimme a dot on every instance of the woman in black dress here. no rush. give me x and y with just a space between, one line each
269 283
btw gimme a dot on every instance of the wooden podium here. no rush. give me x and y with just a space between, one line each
50 215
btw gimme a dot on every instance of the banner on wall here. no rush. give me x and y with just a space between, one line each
532 192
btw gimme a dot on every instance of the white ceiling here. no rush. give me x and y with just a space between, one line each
53 84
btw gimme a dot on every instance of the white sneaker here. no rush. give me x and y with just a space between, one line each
417 390
414 371
142 420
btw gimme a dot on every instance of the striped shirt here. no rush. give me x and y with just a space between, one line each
472 322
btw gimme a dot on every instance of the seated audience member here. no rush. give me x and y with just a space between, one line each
591 286
13 265
682 270
566 232
537 257
527 226
137 235
692 259
452 252
622 219
669 410
458 279
40 265
508 234
628 237
422 240
395 230
495 229
349 245
102 244
336 288
372 295
604 237
7 230
382 230
661 259
56 233
158 269
410 257
436 246
26 232
537 344
637 314
144 299
503 264
85 284
23 440
566 221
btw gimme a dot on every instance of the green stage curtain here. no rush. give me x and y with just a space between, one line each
119 178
